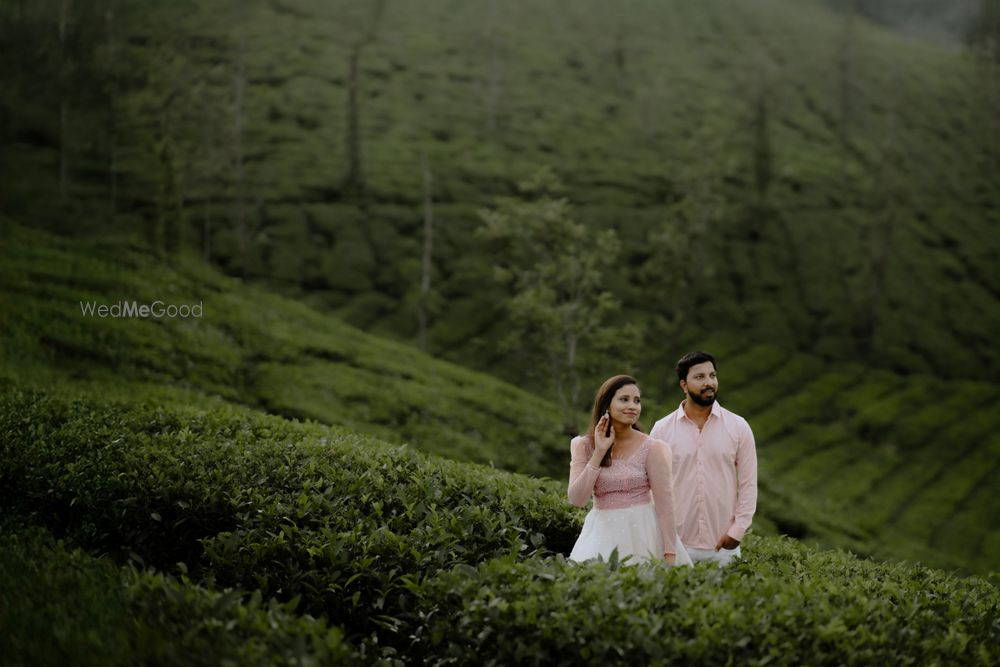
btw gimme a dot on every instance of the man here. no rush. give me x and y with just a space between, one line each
715 465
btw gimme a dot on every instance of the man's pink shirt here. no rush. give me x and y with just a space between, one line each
715 475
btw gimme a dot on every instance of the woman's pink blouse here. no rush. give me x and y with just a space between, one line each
643 477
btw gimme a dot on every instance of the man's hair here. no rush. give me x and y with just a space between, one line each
685 363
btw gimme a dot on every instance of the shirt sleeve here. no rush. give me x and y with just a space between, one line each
746 477
581 475
661 482
657 431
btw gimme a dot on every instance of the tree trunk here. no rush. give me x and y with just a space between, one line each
493 91
493 69
572 379
113 175
994 88
618 52
112 132
566 414
63 20
241 223
63 160
844 74
353 181
426 265
882 234
206 231
762 155
64 9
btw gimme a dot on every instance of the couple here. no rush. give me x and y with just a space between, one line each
685 493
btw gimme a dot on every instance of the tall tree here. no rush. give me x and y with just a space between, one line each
172 97
426 264
680 263
983 39
66 78
846 67
886 202
556 269
112 91
354 180
492 44
239 86
762 158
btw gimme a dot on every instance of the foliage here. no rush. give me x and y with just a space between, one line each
782 604
417 559
555 270
243 500
250 348
63 606
487 93
849 456
983 32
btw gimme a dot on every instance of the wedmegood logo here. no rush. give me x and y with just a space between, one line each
156 309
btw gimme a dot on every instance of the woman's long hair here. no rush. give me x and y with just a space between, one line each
602 402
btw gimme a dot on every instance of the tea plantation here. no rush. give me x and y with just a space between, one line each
250 348
828 186
872 461
139 535
287 480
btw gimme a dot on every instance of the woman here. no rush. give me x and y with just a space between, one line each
630 477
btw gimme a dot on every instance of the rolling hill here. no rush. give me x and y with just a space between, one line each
249 348
136 533
776 171
809 196
872 461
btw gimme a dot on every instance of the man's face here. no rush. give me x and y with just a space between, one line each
701 384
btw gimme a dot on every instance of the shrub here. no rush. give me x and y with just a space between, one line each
783 604
62 606
257 502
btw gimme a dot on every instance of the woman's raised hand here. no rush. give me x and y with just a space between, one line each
602 443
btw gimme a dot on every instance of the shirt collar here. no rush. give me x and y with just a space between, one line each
712 413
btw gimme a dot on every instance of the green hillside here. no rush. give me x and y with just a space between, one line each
876 462
228 536
775 171
287 479
893 457
249 348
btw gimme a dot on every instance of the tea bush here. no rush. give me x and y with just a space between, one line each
783 604
257 502
60 606
417 559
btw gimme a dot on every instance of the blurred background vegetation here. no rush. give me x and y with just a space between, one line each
443 222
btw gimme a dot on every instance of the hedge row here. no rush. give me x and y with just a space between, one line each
783 604
239 499
63 607
427 560
250 348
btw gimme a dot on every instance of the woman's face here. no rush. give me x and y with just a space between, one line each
625 405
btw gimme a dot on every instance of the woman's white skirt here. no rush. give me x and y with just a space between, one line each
633 530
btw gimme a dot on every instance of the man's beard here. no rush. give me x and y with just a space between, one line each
702 401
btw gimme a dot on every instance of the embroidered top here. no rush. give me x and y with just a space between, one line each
643 477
